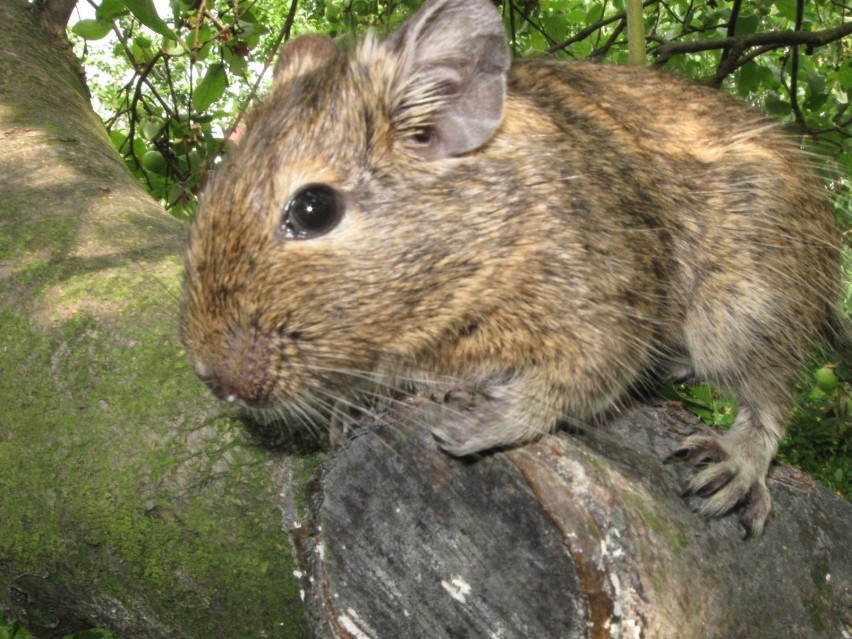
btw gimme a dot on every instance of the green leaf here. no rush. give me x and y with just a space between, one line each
594 15
705 414
776 105
146 13
747 25
844 75
141 55
150 128
575 16
237 64
92 29
139 147
555 27
816 82
110 9
170 47
211 87
202 42
748 78
538 41
787 8
703 395
119 139
361 7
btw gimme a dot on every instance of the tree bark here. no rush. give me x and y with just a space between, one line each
129 501
578 535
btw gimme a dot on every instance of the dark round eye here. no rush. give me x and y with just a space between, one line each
424 135
313 210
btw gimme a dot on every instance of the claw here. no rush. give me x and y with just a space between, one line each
712 479
698 450
753 517
727 479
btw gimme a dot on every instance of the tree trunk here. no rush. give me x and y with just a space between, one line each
126 500
129 501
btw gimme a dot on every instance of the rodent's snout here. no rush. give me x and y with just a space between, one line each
224 389
237 377
247 390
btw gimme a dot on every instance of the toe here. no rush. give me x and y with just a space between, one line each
699 450
756 511
712 479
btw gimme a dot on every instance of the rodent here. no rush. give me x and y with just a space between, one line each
544 233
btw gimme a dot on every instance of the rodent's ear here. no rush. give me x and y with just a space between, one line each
448 91
303 54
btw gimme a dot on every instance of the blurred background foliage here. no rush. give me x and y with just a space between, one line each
172 77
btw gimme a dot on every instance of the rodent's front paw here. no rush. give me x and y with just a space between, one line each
469 423
729 477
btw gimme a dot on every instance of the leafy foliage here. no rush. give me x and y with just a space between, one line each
819 438
171 88
163 89
714 408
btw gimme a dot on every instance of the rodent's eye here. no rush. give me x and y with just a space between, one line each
424 135
313 210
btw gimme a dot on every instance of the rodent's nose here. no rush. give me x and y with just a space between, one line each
237 376
238 386
223 389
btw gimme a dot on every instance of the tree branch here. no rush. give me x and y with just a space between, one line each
635 33
810 39
602 50
794 70
732 31
55 14
734 62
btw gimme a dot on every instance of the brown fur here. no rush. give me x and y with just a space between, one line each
616 221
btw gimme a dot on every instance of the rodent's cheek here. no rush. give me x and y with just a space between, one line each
201 369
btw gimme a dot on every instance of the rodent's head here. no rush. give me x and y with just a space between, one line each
342 231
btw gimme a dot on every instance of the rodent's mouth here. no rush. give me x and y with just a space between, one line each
242 392
240 378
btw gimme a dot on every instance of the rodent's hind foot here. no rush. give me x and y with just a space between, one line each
729 476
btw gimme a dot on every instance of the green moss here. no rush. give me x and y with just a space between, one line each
651 519
23 236
305 468
819 574
660 526
92 417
